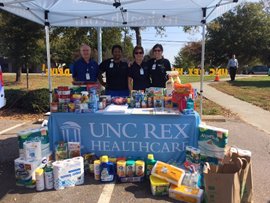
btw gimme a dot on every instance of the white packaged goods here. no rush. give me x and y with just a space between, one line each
25 172
212 141
32 150
40 184
186 194
68 173
34 134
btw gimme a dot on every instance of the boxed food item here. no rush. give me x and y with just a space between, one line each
61 151
159 186
212 141
74 149
168 172
34 135
186 194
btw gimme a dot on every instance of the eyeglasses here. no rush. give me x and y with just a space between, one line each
138 52
157 50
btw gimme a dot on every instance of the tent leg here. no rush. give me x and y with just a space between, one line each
99 42
48 60
202 67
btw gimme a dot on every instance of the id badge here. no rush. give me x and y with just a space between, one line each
87 76
111 65
141 71
154 66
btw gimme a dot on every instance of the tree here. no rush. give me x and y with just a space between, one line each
244 31
21 41
65 42
189 55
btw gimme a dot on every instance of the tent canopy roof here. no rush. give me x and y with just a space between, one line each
119 13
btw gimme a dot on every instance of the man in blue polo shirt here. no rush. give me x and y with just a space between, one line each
85 69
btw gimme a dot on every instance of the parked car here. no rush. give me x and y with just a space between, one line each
2 92
259 70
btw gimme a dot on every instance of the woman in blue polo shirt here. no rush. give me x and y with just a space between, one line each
158 67
139 71
116 74
85 69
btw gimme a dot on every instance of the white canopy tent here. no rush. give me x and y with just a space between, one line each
119 13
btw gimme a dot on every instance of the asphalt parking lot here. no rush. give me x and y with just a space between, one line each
240 134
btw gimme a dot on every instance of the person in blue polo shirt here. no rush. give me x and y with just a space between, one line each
85 69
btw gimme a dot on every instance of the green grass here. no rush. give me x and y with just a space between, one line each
255 90
188 79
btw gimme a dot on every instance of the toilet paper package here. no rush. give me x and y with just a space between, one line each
32 150
68 173
25 170
36 134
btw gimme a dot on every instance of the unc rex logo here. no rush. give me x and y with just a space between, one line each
71 132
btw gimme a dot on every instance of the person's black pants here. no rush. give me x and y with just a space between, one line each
232 73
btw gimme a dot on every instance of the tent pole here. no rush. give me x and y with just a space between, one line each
99 42
202 60
48 59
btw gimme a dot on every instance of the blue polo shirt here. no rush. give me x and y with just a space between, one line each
80 69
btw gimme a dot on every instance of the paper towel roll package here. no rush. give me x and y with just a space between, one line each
68 173
212 141
34 134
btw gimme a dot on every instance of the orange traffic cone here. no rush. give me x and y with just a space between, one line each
217 77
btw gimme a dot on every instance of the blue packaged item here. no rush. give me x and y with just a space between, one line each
107 171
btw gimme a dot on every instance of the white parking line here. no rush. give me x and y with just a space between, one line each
106 193
11 128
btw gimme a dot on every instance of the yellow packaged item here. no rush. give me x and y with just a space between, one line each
186 194
159 186
168 172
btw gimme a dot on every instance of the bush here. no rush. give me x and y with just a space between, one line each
14 97
35 101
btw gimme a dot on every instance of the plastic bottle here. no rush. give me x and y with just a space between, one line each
40 184
97 169
169 86
48 174
107 172
150 162
190 102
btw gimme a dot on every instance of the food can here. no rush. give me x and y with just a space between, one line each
121 168
140 167
188 153
130 168
97 169
48 178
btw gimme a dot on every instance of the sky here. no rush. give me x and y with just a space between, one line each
175 38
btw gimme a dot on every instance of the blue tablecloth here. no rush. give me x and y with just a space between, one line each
127 135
